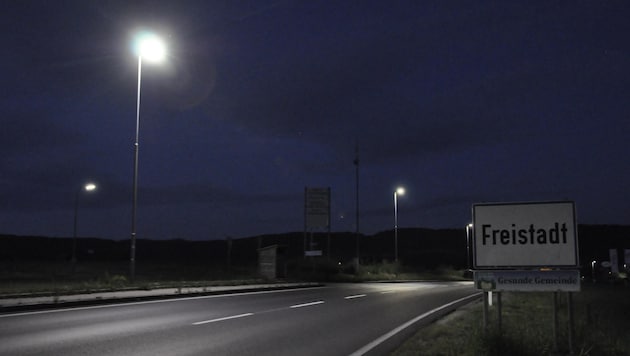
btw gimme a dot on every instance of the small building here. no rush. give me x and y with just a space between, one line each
271 262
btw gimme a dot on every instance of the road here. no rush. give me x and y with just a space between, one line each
338 319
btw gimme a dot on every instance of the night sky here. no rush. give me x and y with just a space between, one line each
459 101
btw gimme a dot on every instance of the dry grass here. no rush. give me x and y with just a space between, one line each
600 326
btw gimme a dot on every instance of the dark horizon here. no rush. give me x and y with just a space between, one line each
418 247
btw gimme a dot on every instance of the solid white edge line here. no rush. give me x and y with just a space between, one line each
306 304
222 319
167 300
395 331
355 296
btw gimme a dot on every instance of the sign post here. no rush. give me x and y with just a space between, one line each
526 247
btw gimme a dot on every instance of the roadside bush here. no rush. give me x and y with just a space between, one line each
379 271
116 281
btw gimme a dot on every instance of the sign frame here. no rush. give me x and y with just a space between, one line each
530 235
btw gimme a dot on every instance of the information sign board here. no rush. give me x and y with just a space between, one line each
524 235
528 281
317 207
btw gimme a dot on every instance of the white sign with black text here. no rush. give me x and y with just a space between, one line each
524 235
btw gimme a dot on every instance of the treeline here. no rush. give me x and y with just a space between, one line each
418 247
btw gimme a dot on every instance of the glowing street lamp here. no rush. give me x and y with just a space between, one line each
89 187
397 192
150 47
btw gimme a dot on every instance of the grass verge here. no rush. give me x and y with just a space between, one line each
61 278
38 279
600 326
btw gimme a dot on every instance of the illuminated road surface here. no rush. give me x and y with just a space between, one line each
339 319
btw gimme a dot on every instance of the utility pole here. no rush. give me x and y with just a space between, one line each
356 165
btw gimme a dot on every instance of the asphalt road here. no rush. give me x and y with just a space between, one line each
338 319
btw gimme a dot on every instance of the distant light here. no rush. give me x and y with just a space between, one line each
400 191
90 187
150 47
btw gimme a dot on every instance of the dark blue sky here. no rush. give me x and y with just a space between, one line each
461 102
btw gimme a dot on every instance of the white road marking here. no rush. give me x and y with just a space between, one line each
168 300
307 304
222 319
355 296
395 331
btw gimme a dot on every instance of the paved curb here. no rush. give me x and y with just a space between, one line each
75 300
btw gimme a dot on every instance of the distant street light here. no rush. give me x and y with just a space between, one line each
151 48
469 230
89 187
397 192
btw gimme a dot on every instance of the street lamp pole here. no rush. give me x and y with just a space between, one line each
356 164
397 192
149 47
88 188
132 260
469 230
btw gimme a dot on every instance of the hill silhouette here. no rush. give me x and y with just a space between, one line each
417 247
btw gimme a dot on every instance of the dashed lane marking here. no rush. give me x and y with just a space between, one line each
307 304
223 319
